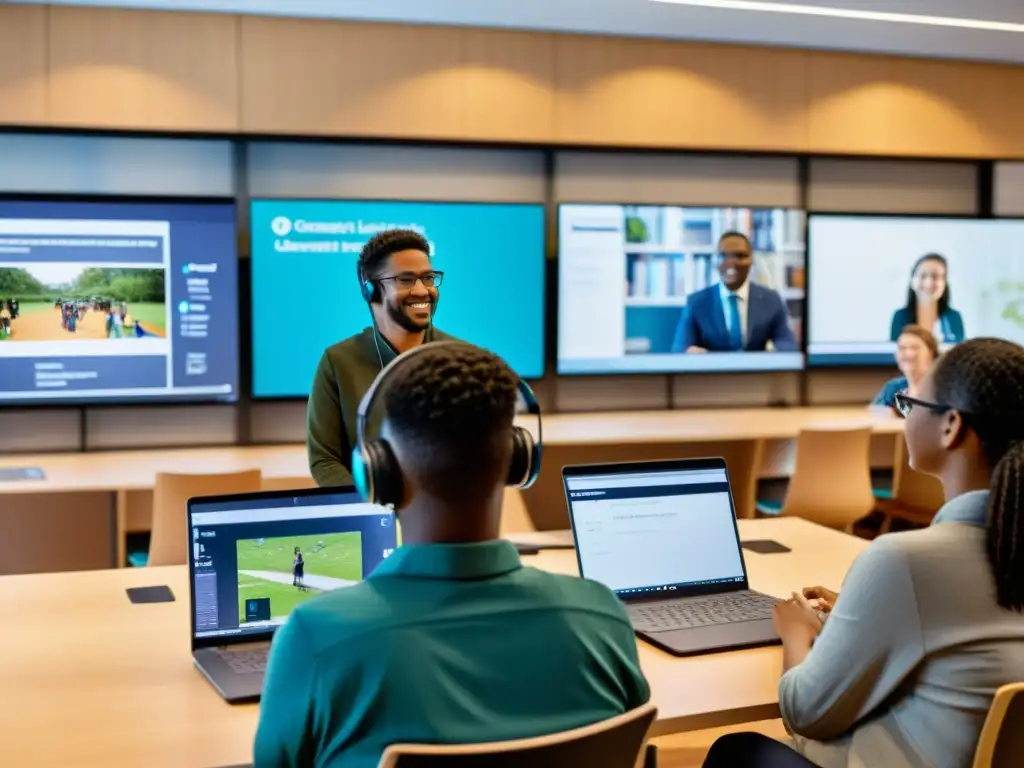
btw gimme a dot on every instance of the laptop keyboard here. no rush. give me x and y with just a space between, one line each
702 611
245 662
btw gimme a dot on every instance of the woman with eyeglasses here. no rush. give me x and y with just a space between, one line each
400 286
929 623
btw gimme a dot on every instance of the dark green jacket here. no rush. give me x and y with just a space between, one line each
345 372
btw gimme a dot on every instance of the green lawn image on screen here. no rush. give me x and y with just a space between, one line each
106 303
267 588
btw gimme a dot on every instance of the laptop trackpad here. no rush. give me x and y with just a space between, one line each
714 638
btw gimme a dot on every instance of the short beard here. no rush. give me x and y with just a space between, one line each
406 323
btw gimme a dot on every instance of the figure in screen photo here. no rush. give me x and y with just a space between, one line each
713 279
928 302
275 575
735 315
298 570
689 280
872 276
69 302
916 350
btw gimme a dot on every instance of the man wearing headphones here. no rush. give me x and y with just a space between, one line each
451 639
400 285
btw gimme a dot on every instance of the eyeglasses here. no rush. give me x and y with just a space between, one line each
408 280
905 404
733 255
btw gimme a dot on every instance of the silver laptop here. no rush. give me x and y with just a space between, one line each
254 557
663 536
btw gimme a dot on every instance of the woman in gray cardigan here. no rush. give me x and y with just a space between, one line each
928 624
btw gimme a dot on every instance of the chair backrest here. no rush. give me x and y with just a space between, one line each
1002 737
168 544
912 488
515 517
831 483
613 743
294 483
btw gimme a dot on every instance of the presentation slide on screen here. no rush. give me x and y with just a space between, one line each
118 301
872 275
644 533
306 295
651 289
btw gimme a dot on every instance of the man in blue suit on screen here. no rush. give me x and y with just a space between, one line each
735 315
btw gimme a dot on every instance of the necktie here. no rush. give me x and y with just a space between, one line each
735 331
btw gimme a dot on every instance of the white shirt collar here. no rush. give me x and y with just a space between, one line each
742 293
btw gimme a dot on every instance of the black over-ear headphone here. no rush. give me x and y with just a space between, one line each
375 469
367 287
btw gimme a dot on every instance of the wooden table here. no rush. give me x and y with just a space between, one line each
134 470
90 680
739 435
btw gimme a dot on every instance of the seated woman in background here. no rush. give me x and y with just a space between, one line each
916 351
928 625
928 302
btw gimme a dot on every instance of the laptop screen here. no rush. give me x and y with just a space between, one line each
655 530
254 560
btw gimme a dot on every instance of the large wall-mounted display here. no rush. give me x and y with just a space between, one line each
306 295
872 275
118 301
667 289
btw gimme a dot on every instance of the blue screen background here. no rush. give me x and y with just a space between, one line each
493 292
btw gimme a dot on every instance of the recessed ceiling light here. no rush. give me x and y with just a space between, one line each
849 13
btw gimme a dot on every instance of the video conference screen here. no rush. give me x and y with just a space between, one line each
118 301
872 275
306 294
666 289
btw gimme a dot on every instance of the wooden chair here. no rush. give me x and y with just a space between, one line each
916 497
831 483
613 743
1002 737
168 544
295 483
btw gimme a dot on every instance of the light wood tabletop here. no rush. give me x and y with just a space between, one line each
137 470
89 679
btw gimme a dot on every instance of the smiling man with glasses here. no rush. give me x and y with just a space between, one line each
400 285
736 315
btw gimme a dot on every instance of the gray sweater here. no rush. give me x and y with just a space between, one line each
905 668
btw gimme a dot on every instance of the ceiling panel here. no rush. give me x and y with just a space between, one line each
657 19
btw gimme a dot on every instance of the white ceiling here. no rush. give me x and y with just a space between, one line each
656 19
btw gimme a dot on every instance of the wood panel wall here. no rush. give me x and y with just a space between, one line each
145 70
23 70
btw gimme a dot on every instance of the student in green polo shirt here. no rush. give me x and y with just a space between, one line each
400 285
451 639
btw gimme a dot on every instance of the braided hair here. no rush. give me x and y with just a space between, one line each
983 379
455 405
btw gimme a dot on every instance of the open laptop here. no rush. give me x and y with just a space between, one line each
663 536
254 557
